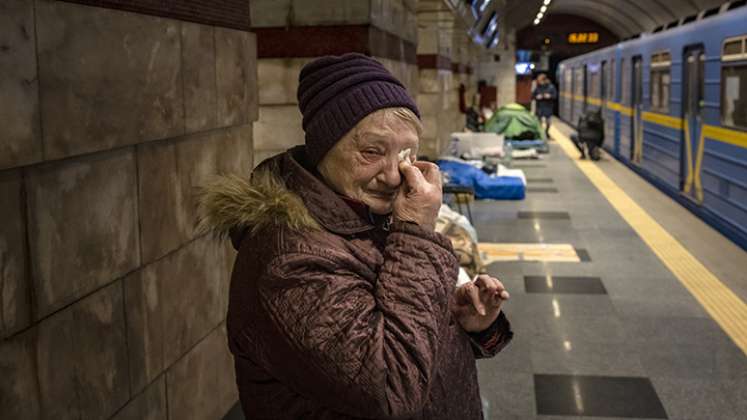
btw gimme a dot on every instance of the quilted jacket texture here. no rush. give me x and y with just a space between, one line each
333 316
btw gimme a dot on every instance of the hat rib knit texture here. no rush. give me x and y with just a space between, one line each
336 92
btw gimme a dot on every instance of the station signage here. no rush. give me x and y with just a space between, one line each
583 37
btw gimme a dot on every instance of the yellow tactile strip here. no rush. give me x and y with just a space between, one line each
726 308
492 252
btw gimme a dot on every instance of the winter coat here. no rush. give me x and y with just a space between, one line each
545 106
333 316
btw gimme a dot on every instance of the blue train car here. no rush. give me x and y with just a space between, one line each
675 108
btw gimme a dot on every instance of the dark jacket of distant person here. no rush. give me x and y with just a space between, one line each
545 95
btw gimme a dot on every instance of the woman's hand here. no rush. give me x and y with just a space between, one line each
419 198
477 304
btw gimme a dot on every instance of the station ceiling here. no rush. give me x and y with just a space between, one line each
623 17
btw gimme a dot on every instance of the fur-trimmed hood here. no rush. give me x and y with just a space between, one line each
233 206
281 193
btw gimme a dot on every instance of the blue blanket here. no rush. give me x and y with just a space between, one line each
485 186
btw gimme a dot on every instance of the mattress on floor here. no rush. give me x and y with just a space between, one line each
486 186
539 144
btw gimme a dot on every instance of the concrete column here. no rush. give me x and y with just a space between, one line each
501 72
293 32
111 303
437 97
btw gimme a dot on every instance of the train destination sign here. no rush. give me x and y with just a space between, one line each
583 37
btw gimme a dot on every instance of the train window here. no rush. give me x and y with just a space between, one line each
734 82
661 64
734 49
734 96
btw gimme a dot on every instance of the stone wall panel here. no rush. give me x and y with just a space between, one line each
236 57
82 225
199 159
150 405
178 301
100 345
237 151
393 17
192 287
278 127
202 384
329 12
19 393
198 67
15 305
270 13
108 78
144 327
20 139
55 361
279 78
164 225
170 175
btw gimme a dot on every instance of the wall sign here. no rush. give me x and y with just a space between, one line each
583 37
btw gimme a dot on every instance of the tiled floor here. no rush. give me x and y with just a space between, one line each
614 337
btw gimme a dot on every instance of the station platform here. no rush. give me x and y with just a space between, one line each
647 321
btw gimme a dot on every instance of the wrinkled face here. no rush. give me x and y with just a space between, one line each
364 164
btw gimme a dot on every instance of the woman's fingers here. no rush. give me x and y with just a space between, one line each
492 290
474 296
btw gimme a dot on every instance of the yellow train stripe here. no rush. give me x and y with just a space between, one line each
724 135
620 108
725 307
661 119
734 137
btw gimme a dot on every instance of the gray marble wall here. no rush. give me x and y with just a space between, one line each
110 304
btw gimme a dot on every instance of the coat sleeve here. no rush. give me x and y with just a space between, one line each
361 347
488 343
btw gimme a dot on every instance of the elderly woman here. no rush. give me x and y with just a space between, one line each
343 301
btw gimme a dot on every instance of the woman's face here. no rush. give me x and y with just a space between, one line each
364 164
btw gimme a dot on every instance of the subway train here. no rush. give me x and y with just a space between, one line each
675 108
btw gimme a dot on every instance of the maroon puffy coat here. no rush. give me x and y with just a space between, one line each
333 316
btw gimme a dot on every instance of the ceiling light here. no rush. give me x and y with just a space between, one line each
547 2
543 9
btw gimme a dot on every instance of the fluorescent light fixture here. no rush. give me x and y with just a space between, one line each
547 2
543 9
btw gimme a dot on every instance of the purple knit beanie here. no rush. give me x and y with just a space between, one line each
336 92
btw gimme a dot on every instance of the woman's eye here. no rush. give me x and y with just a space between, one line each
372 152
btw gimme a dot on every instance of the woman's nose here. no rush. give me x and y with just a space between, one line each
390 175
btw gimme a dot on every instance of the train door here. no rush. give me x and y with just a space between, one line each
692 108
636 129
